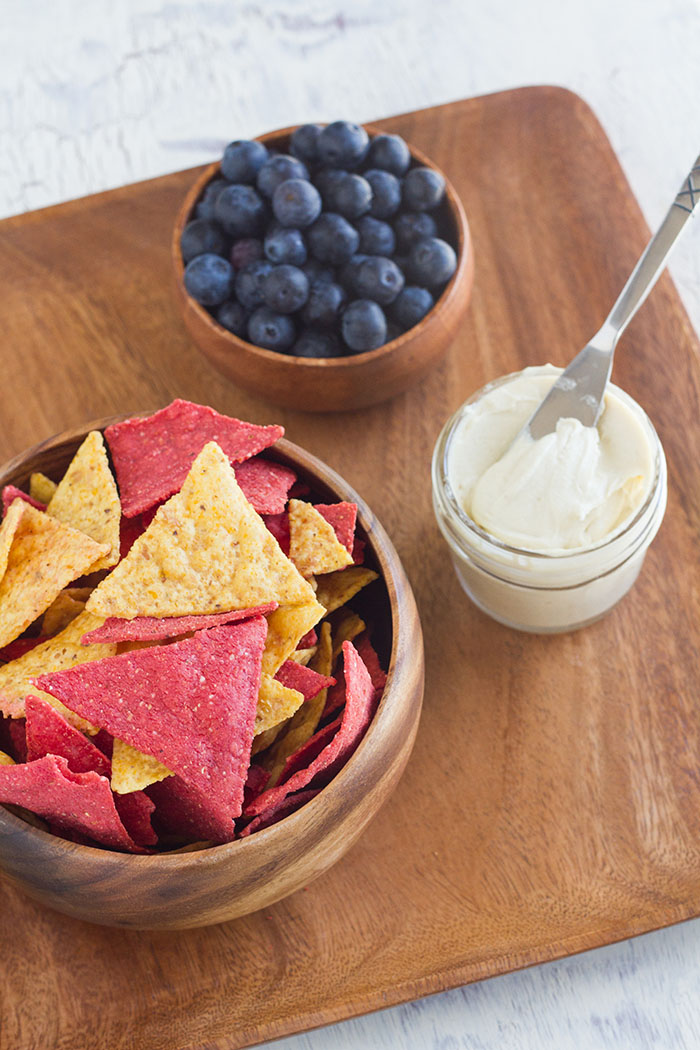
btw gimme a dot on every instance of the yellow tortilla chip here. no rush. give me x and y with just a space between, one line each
305 722
5 760
286 627
313 544
41 487
59 614
338 588
205 551
275 703
56 654
87 498
45 555
132 770
8 529
263 740
347 627
303 656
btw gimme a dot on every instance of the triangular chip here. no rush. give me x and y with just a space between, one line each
263 740
45 555
64 650
347 628
87 498
10 493
265 484
205 551
151 629
5 759
285 627
342 516
190 704
48 733
132 770
338 588
276 702
313 544
41 488
153 456
63 609
303 656
284 808
8 530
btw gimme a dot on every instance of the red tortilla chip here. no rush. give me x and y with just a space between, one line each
309 640
153 456
19 647
371 661
152 629
342 516
131 528
307 682
257 779
359 707
278 524
304 755
48 733
18 735
10 493
276 813
182 811
193 709
358 551
73 802
265 484
135 811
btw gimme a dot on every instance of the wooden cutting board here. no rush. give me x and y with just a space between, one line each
552 802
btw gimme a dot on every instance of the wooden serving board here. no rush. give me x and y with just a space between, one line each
552 802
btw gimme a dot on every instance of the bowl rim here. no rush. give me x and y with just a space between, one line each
380 726
464 251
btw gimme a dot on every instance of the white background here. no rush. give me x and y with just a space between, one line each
98 93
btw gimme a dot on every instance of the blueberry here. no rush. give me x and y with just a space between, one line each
200 236
316 271
296 202
234 317
249 283
317 344
352 196
348 273
390 153
271 330
423 189
277 170
284 245
376 237
304 143
411 305
379 279
240 210
209 279
431 262
326 300
363 325
326 182
342 144
242 160
332 239
245 251
205 208
386 193
410 226
286 289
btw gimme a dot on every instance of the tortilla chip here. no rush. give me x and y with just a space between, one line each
77 802
347 629
263 740
87 498
64 650
45 555
284 808
41 488
338 588
285 627
19 647
304 679
313 545
303 656
8 531
276 702
62 611
135 814
193 709
265 484
10 493
48 733
132 770
278 524
205 551
5 759
151 629
342 516
153 456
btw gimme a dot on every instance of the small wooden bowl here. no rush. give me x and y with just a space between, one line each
332 384
180 890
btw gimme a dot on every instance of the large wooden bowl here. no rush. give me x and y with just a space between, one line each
174 891
333 384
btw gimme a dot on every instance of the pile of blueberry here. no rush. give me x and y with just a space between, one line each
328 251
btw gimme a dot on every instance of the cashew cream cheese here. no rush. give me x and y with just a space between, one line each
568 490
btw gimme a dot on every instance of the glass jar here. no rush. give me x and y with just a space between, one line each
538 591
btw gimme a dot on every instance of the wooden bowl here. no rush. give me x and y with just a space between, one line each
333 384
179 890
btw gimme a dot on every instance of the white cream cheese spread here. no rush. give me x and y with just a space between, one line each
566 491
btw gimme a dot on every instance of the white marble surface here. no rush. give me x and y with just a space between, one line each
97 93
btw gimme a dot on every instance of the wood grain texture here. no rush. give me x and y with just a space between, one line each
180 891
552 800
341 383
